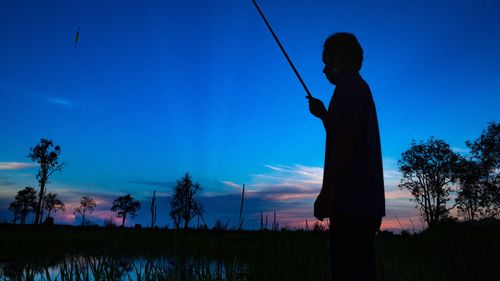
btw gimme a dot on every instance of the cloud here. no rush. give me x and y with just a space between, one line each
153 183
287 183
232 184
290 190
460 150
6 183
298 175
60 101
397 194
16 165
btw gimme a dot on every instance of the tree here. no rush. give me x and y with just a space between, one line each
176 212
486 151
87 206
125 205
183 204
429 172
471 190
51 202
15 208
49 163
24 203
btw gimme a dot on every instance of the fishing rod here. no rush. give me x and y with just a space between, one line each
282 49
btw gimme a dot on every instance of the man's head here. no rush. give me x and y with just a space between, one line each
342 53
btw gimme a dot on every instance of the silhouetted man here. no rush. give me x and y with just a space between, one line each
352 195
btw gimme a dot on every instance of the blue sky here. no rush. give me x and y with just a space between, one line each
154 89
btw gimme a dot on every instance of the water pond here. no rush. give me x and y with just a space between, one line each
125 268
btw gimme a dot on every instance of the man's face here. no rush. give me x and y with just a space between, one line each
330 69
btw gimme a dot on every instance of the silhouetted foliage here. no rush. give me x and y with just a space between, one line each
405 232
51 202
486 152
176 213
429 171
125 206
183 205
219 226
469 199
275 225
24 203
321 226
385 233
87 206
263 226
318 226
47 158
49 221
109 223
15 208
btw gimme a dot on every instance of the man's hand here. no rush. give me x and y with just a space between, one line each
322 204
317 108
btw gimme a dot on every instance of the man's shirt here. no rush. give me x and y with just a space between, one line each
353 174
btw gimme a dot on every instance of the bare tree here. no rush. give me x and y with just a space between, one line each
87 206
124 206
48 161
51 202
23 204
183 204
429 172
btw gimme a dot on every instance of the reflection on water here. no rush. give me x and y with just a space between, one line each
125 268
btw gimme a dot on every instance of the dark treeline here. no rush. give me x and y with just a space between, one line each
431 171
184 206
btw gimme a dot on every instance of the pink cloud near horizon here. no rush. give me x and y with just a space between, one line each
16 165
298 186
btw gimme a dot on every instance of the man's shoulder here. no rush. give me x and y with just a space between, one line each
357 80
351 86
351 81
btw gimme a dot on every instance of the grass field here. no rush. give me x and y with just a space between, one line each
449 252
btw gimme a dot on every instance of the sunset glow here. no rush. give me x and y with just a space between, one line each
154 90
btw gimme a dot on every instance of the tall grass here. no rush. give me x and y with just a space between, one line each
448 252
